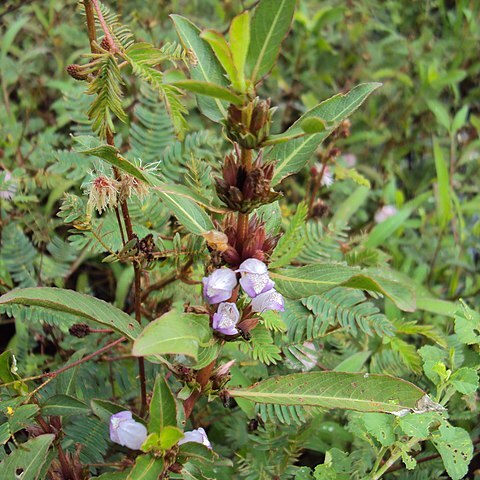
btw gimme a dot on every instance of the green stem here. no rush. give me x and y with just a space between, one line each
396 454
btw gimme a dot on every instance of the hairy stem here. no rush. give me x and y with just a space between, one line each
396 454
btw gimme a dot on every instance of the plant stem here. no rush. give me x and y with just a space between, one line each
124 207
396 454
203 377
92 32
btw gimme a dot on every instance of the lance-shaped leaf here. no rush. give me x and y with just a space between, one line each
270 24
163 409
239 44
63 405
27 460
291 156
78 304
301 282
147 467
209 89
110 155
206 68
188 213
222 51
174 333
351 391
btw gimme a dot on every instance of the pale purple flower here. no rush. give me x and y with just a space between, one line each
271 300
226 319
10 187
255 279
384 213
218 286
125 431
327 178
198 436
350 159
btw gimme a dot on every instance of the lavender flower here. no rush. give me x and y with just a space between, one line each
226 319
255 279
384 213
218 286
127 432
271 300
198 436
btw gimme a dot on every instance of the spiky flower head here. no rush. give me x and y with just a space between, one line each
103 193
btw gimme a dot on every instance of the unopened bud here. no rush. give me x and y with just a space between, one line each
79 330
76 72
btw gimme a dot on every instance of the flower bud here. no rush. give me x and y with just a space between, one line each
255 279
127 432
77 72
198 436
218 286
226 318
271 300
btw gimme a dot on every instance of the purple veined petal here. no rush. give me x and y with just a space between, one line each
115 421
254 284
271 300
226 318
127 432
252 265
132 434
218 286
198 436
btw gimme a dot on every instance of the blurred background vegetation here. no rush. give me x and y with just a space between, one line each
414 145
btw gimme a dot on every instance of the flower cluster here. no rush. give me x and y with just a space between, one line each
255 282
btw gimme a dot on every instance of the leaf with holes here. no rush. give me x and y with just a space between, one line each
350 391
28 460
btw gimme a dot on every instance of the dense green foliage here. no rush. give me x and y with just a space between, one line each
114 164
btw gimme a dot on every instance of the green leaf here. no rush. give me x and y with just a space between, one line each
418 426
293 155
174 333
188 213
169 436
444 201
239 44
313 125
354 363
22 417
163 408
301 282
465 380
27 460
380 426
146 468
351 391
222 51
110 155
209 89
270 24
467 325
206 68
8 375
64 405
83 306
455 447
141 57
